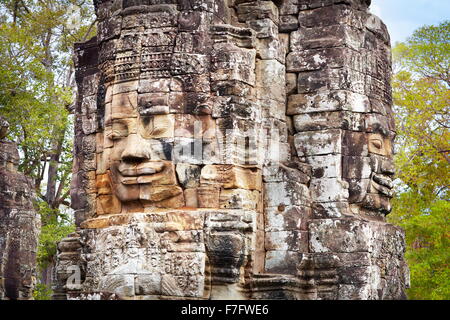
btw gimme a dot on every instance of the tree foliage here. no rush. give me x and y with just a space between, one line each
37 96
36 81
55 226
421 87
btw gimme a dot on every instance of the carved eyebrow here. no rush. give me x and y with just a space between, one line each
119 121
377 128
110 121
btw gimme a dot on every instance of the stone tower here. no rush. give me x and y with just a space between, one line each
233 149
19 225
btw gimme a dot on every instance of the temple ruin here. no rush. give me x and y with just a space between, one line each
233 149
19 225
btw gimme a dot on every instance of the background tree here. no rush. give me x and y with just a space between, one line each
421 87
36 97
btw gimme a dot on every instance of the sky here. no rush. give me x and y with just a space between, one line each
402 17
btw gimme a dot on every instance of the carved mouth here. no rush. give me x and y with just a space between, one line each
143 173
383 184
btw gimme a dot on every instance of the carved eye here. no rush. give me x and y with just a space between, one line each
377 143
160 127
155 126
118 131
147 127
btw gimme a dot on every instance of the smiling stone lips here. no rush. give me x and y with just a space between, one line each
143 173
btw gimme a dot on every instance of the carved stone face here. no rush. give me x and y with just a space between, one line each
140 159
379 191
170 117
369 169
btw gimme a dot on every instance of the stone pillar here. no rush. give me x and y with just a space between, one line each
341 109
19 225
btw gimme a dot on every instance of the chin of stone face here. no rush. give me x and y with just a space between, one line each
239 152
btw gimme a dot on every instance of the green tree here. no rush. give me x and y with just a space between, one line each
37 96
421 87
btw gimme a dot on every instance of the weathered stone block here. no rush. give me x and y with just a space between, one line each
284 218
108 204
293 240
288 23
329 190
358 189
191 198
208 196
188 175
125 105
271 49
316 59
356 167
228 63
329 235
239 199
186 63
314 143
289 7
326 37
194 20
264 28
291 83
109 28
327 101
232 177
332 79
270 75
339 14
355 143
154 85
282 262
260 10
297 172
326 166
329 120
289 193
330 210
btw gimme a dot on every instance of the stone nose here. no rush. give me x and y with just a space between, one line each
136 149
382 165
387 167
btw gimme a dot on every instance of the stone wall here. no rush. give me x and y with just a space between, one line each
233 149
19 225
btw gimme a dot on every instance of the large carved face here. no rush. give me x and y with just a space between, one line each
141 167
380 187
175 135
370 168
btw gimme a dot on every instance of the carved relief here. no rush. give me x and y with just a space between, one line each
19 225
